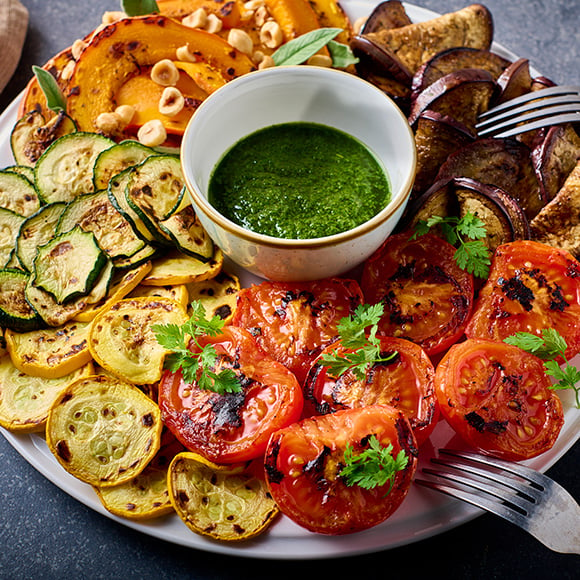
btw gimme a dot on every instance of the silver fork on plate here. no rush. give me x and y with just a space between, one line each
517 493
543 108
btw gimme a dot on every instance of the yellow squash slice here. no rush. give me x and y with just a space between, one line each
26 400
223 502
178 268
177 292
122 342
218 295
121 285
103 431
50 352
146 496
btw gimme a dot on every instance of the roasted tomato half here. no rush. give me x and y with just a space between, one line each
234 426
427 297
293 322
404 381
531 287
497 397
304 463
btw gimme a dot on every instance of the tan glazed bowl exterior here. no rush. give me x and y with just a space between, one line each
293 94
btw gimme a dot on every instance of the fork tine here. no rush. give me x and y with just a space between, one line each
534 95
539 124
522 122
529 106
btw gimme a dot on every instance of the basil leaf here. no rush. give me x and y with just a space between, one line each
139 7
55 100
342 55
300 49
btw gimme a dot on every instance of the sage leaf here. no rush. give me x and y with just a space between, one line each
342 55
139 7
300 49
55 100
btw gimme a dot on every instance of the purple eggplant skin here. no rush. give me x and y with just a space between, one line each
463 95
515 81
386 15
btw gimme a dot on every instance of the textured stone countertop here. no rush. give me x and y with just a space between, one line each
45 533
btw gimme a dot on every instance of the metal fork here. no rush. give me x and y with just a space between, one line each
512 491
543 108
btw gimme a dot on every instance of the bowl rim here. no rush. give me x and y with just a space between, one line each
293 243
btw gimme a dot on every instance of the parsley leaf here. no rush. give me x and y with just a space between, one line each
548 347
468 231
373 467
196 367
352 335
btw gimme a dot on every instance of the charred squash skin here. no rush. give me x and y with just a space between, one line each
120 50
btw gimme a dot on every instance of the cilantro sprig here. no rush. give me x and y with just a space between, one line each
196 366
373 467
466 233
352 335
548 347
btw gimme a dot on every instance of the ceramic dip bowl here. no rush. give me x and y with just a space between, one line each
298 94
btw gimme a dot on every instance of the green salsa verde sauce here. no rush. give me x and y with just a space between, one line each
299 181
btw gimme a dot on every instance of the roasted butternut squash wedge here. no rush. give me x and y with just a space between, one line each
25 400
218 295
222 502
178 268
121 339
230 13
51 352
121 50
103 431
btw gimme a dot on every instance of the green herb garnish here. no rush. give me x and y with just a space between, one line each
471 254
548 347
352 335
139 7
373 467
196 366
301 48
55 100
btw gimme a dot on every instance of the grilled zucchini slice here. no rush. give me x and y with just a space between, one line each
24 170
65 169
26 400
94 212
36 231
186 231
68 265
103 431
18 194
219 501
10 224
122 342
50 352
116 159
15 311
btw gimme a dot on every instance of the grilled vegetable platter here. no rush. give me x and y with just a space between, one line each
165 387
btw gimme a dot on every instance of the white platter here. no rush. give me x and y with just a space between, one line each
423 514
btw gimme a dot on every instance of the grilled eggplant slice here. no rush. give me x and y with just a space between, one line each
416 43
555 157
558 223
103 431
514 81
386 15
463 95
436 137
504 163
458 58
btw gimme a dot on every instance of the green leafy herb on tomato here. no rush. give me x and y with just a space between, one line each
548 347
467 232
352 333
196 366
374 467
55 100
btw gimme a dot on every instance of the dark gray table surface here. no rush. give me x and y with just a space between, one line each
45 533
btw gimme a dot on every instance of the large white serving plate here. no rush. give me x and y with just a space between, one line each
424 513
